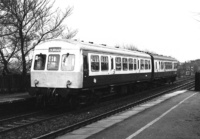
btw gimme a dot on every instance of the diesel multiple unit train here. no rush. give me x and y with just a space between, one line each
77 71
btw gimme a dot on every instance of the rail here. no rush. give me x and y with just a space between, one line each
110 113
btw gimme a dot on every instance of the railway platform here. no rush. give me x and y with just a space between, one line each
171 116
14 97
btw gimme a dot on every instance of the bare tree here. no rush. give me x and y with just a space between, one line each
151 52
4 58
8 50
131 47
128 46
29 22
70 33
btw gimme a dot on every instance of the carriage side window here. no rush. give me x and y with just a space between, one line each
125 63
175 65
94 63
112 66
146 64
141 64
130 62
68 62
162 65
149 64
135 64
53 62
104 63
118 63
159 65
40 61
168 65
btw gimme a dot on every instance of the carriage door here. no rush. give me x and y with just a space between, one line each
112 65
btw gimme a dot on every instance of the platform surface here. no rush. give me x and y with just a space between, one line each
171 116
14 97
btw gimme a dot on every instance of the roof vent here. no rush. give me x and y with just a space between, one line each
103 44
91 42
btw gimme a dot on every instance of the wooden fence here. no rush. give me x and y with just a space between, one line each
14 83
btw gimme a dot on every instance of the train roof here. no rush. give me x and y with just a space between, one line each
73 45
161 57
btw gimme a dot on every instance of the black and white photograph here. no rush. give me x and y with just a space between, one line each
99 69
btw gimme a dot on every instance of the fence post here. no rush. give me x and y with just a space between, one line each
197 81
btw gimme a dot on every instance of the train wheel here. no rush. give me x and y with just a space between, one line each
60 101
95 99
74 102
38 101
41 101
124 90
130 89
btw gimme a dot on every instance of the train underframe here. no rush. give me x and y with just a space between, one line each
80 97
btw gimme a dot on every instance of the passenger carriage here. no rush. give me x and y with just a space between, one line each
68 67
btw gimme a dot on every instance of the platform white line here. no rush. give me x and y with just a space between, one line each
155 120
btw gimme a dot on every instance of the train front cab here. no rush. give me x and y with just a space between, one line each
56 70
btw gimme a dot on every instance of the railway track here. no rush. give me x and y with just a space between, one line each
25 120
12 113
65 130
22 121
185 79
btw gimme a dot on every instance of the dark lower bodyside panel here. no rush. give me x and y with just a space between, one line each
158 75
117 79
102 80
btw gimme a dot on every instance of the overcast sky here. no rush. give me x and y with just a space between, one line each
167 27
